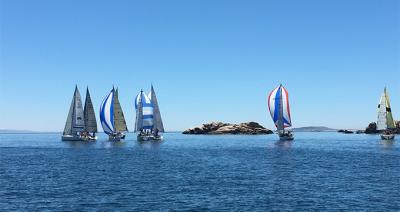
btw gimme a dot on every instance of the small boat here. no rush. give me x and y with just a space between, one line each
148 124
385 122
74 125
278 104
90 129
112 117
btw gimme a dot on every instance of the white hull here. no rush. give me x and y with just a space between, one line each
72 138
78 138
142 138
286 137
387 136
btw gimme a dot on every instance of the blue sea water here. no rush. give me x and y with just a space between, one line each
318 171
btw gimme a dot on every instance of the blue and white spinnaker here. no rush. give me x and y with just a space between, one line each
107 113
144 108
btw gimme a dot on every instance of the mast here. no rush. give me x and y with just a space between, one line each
89 115
158 124
119 119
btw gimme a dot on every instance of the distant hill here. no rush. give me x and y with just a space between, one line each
313 129
8 131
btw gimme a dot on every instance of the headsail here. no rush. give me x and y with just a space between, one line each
90 117
106 113
278 104
389 116
145 118
119 119
68 124
157 121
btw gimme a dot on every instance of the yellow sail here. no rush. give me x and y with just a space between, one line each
389 116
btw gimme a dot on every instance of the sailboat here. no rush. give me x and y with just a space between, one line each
149 123
385 121
75 124
278 104
90 129
112 117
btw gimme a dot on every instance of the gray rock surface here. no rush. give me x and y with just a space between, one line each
217 128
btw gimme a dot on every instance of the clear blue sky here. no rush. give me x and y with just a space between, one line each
208 60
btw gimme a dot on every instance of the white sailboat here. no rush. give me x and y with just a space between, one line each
74 125
112 117
385 122
149 123
278 104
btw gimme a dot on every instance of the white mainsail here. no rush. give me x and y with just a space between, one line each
139 113
381 122
75 122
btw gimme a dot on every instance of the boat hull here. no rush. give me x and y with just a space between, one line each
78 138
116 137
286 137
144 138
387 136
72 138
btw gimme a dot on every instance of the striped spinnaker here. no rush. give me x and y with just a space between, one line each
278 104
107 113
144 104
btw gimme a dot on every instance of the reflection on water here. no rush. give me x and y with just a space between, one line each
80 144
315 172
387 144
149 144
284 144
113 144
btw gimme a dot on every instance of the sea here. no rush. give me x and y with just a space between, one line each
319 171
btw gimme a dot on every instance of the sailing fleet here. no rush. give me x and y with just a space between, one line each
81 124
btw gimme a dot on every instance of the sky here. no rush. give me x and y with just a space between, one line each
209 60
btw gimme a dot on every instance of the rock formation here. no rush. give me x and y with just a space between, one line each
371 129
217 128
346 131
